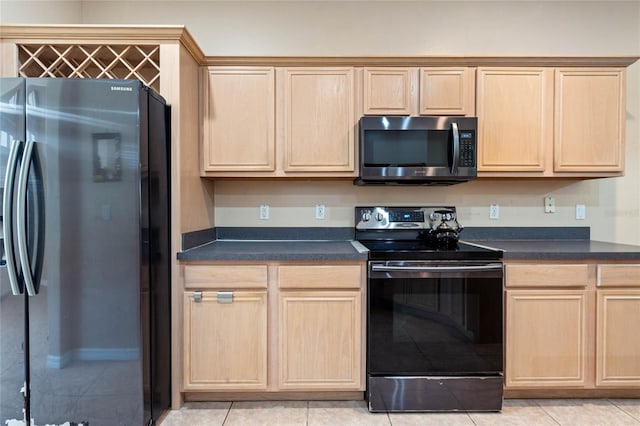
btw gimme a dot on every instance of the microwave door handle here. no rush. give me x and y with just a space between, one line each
456 148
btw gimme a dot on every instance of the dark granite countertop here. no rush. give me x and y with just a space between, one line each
274 250
562 249
333 244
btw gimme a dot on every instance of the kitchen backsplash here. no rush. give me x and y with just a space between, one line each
521 203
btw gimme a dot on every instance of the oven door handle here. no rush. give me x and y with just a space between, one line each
383 268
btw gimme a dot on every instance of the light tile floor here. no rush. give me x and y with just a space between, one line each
566 412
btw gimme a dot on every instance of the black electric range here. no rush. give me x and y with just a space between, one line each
434 313
398 233
420 250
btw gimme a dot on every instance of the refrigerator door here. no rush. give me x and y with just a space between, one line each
12 308
86 358
159 255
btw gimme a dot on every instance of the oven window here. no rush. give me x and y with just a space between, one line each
435 326
402 148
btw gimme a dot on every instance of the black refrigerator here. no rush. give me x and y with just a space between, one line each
85 276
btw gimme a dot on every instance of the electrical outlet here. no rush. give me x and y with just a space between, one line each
264 212
581 212
320 211
549 205
494 211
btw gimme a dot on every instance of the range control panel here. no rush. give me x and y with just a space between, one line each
399 217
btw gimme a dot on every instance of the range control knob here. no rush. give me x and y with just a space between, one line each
366 216
379 216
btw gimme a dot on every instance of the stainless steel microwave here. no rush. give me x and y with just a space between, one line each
427 150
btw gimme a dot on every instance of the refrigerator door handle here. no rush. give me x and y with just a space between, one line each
21 211
7 215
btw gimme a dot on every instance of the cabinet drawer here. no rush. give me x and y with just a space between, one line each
618 275
225 276
320 276
542 275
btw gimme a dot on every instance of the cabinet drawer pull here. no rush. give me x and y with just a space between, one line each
197 296
225 297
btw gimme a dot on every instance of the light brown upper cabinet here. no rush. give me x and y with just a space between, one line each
515 119
238 119
389 91
551 122
447 91
278 122
590 114
318 119
419 91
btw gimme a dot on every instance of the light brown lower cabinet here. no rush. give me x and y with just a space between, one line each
225 340
547 338
273 327
320 337
572 326
617 321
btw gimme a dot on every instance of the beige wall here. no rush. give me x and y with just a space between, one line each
410 28
41 12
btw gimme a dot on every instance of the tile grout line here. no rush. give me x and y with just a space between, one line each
545 411
623 410
227 415
471 418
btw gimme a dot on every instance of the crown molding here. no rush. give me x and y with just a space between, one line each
423 61
83 34
159 34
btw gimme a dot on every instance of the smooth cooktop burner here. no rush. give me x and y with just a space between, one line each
420 250
420 233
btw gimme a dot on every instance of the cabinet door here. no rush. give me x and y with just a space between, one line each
319 120
515 119
447 91
320 340
389 91
238 119
617 338
590 114
546 338
225 344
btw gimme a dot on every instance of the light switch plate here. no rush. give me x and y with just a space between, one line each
581 212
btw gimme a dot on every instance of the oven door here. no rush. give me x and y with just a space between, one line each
435 339
438 318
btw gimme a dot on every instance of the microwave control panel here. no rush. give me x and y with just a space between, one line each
467 149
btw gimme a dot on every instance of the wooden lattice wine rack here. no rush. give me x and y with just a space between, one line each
140 62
